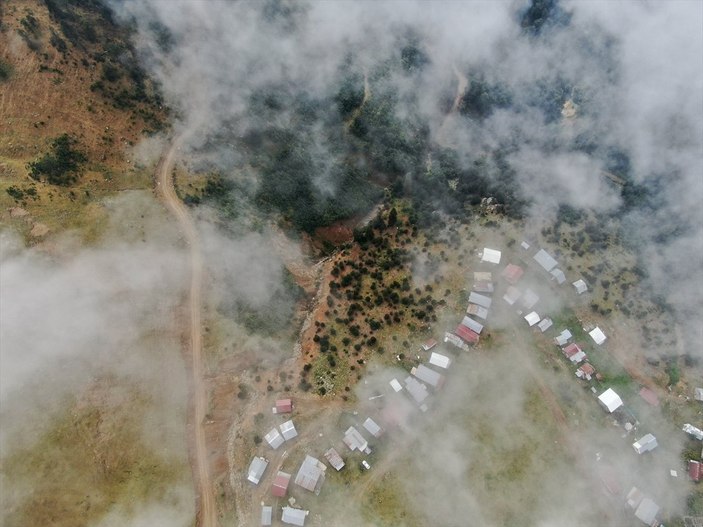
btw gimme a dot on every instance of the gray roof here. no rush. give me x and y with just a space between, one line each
256 469
266 514
293 516
427 375
373 427
416 389
288 430
481 300
472 324
559 275
274 438
334 459
545 260
311 474
529 299
647 511
354 440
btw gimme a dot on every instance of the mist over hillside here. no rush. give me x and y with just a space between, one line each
279 87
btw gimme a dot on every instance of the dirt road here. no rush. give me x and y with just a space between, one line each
207 513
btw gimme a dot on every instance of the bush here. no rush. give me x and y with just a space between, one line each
5 71
61 165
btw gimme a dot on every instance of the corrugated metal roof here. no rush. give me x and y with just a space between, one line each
256 469
545 260
373 427
439 360
293 516
481 300
474 326
428 375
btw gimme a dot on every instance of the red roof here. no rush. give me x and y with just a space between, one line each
587 369
571 350
280 484
649 396
429 344
512 273
694 470
284 406
466 334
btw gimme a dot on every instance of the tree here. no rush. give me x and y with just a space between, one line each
392 217
60 166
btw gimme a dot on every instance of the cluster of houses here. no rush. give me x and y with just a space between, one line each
525 300
311 473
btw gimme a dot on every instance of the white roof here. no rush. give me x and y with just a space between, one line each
695 432
293 516
512 295
645 444
598 336
481 300
563 337
580 286
416 389
372 427
559 275
698 394
610 400
354 440
472 324
545 324
525 245
647 511
577 357
266 514
256 469
532 318
427 375
545 260
529 299
395 385
490 255
274 438
439 360
288 430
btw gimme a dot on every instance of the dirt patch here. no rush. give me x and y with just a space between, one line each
18 212
39 230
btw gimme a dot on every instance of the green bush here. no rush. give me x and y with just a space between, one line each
5 71
61 165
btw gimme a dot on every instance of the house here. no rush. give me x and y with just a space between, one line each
416 389
645 444
283 406
698 394
694 470
649 396
490 256
512 295
693 431
266 515
428 376
429 344
563 337
439 360
256 469
574 353
311 474
610 400
558 275
293 516
334 459
354 440
372 427
274 438
395 385
466 334
476 310
456 341
483 287
288 430
512 273
545 260
471 324
580 286
280 484
529 299
647 512
532 318
481 300
598 336
545 324
585 371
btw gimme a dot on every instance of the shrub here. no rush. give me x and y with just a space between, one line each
60 166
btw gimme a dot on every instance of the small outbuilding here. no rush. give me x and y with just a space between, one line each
274 438
693 431
580 286
256 469
545 324
544 259
574 353
532 318
372 427
610 400
512 273
334 459
283 406
585 371
597 335
645 444
439 360
698 394
288 430
280 484
429 344
266 514
563 337
395 385
490 256
694 470
293 516
354 440
558 275
471 324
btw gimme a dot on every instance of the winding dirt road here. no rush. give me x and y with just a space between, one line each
207 513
